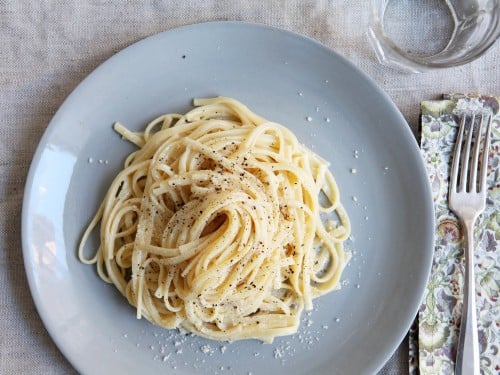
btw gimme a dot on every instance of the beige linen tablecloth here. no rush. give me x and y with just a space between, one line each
48 47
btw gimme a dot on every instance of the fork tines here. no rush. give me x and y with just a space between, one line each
472 134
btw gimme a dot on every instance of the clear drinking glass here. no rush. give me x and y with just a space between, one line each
418 35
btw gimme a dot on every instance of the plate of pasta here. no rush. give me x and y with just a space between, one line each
214 199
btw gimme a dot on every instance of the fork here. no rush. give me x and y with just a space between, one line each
467 199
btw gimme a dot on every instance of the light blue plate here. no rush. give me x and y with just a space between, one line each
332 107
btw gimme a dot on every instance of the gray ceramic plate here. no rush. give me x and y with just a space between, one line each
329 104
